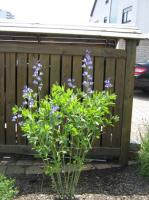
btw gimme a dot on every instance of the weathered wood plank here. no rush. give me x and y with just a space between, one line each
2 98
118 110
66 69
77 71
21 82
61 49
26 150
44 59
98 85
99 73
109 74
55 70
128 98
10 96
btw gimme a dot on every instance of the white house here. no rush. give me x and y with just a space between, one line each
131 12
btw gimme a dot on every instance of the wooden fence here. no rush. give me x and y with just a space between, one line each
63 60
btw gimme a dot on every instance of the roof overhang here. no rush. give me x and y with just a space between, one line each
115 31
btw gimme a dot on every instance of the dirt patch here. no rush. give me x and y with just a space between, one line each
108 184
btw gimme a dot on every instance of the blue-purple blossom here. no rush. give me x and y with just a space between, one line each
31 103
89 91
108 84
24 103
27 95
27 90
54 109
16 117
85 73
70 83
87 61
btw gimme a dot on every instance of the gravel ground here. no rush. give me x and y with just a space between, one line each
140 115
107 184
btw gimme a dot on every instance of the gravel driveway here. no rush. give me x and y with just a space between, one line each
140 114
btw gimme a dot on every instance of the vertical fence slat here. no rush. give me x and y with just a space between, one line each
128 98
44 59
55 70
10 96
2 99
98 83
118 110
109 73
98 73
66 69
21 82
77 70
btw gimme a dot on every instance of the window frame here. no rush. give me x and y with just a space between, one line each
125 15
105 19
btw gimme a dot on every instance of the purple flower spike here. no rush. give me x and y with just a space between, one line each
37 75
88 78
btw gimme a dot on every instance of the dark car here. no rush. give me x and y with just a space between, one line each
141 74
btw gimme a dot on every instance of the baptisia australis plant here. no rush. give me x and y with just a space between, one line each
62 126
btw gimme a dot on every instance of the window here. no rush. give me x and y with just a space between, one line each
107 1
126 15
105 20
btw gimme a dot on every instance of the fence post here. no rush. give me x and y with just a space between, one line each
128 99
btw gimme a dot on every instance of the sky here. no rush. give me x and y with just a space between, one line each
49 11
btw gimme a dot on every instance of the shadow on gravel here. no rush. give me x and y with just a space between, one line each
113 182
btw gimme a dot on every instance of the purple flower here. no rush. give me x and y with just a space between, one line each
28 97
87 61
54 109
108 84
14 118
24 103
35 82
89 91
85 83
31 103
70 83
89 77
27 90
91 83
83 66
85 73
